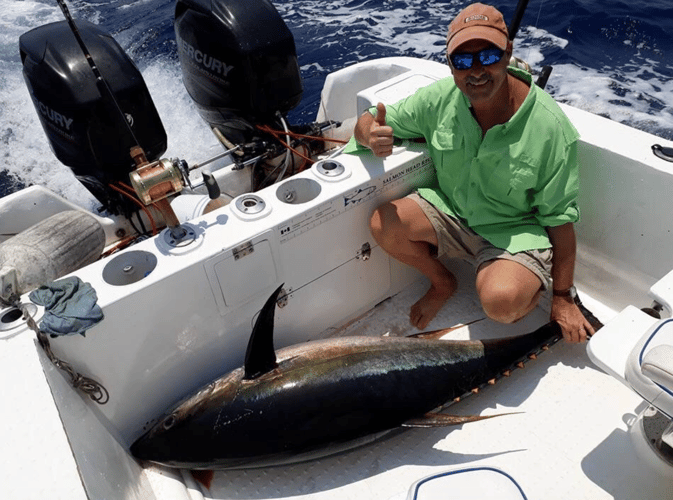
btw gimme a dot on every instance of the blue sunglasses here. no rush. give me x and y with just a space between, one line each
466 60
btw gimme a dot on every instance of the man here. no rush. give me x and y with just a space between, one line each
505 156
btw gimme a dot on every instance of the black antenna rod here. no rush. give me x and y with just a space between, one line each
102 85
513 28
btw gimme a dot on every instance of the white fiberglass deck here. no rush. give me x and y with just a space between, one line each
570 440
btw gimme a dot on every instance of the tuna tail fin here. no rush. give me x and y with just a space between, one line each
260 357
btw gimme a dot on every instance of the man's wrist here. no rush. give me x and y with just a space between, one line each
570 292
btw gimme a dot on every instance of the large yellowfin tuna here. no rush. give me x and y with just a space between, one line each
325 396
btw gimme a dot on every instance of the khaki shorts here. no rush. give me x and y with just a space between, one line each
459 241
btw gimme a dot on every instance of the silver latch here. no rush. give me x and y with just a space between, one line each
243 250
365 252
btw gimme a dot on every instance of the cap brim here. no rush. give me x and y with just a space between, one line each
496 37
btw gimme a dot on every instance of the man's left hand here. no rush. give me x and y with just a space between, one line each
575 326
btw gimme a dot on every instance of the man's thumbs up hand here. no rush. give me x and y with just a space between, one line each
380 117
380 134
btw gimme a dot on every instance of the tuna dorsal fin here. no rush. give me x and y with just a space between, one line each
260 357
443 420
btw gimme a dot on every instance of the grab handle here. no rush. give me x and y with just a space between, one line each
662 152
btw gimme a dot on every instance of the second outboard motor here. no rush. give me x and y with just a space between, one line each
239 63
81 125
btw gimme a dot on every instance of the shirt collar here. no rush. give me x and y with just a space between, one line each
530 97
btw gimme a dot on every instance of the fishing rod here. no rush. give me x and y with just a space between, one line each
101 83
515 23
513 29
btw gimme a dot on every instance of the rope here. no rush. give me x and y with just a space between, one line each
95 390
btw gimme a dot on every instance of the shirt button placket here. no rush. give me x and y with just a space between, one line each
472 194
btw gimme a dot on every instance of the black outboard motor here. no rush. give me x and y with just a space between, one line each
239 63
82 127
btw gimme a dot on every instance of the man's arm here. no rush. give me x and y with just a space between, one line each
563 310
372 132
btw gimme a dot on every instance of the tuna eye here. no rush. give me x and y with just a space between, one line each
168 423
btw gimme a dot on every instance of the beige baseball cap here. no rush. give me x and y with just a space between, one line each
477 22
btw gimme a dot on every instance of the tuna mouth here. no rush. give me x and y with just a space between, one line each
143 450
157 448
138 450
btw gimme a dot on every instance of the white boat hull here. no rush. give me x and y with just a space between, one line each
189 320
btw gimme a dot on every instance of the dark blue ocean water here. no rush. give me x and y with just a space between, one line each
613 58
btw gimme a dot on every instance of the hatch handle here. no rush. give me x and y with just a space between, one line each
662 152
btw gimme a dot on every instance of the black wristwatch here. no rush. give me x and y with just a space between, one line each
568 292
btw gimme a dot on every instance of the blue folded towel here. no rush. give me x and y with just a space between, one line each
70 306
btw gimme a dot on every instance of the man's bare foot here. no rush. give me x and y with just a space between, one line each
427 307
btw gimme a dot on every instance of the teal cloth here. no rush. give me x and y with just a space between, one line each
70 306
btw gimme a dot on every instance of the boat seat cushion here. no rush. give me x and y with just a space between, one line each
649 368
658 365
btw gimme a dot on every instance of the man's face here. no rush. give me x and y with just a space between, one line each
481 84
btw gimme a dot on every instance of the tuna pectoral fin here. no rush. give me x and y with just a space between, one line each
442 420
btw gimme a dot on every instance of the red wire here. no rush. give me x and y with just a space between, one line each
276 134
125 190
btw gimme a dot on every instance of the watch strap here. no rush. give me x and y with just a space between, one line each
568 292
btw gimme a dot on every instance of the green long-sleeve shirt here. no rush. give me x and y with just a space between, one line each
507 186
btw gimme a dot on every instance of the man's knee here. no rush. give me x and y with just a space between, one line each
498 304
506 303
507 290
